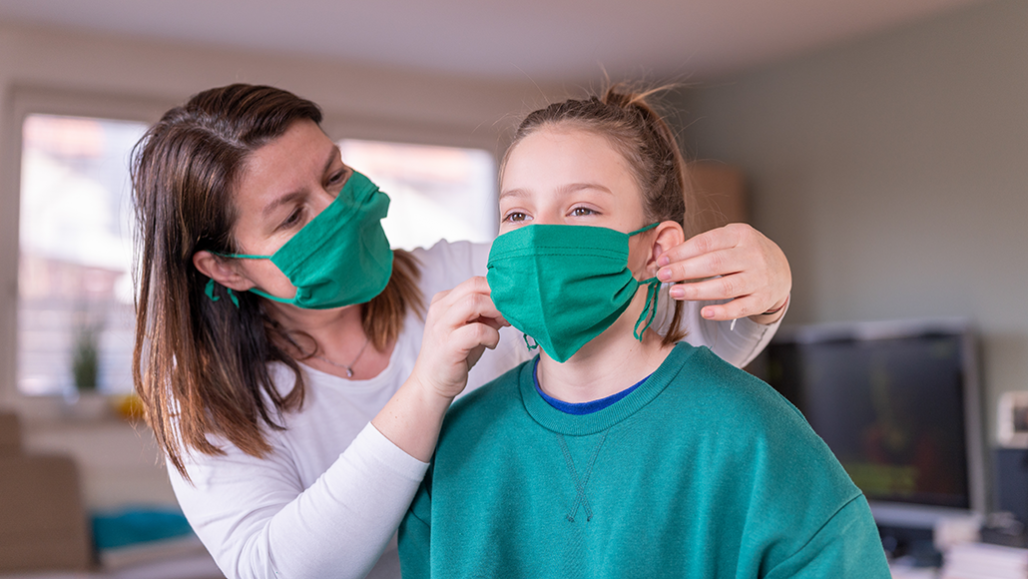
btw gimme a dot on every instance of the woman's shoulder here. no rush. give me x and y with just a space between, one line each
448 263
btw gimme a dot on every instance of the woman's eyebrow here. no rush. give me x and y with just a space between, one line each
290 197
335 154
283 200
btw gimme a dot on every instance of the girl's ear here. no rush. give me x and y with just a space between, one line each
669 234
221 270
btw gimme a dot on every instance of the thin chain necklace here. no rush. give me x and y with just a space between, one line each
347 367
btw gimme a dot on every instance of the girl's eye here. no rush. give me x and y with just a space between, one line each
582 212
515 217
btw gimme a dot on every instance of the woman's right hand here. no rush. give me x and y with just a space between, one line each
460 324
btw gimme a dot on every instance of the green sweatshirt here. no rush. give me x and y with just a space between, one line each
702 471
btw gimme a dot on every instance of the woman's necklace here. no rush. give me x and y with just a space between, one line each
347 367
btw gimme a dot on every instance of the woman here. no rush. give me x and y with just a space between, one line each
293 369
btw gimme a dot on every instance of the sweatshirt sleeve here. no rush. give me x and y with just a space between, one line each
847 545
257 522
415 538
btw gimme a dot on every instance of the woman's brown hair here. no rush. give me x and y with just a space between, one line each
635 129
201 364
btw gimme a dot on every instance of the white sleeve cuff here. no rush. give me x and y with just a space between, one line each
374 445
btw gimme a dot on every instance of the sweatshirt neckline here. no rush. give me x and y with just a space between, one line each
580 425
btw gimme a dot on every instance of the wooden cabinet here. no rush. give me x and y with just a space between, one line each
718 197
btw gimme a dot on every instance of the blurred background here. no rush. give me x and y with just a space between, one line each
883 145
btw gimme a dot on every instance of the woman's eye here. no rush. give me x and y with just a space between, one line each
337 177
293 218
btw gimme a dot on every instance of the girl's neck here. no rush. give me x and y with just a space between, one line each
609 363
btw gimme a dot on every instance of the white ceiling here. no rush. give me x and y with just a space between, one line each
539 40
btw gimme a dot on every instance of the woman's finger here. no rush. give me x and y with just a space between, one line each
708 265
467 303
720 238
719 288
735 309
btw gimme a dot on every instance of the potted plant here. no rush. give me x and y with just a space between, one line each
85 371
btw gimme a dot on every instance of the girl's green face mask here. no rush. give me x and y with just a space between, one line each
342 256
563 285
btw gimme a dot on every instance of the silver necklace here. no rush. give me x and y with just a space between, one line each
347 367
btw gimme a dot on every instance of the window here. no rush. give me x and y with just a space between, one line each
437 192
75 312
75 307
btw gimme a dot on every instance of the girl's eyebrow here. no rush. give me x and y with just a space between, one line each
513 193
562 190
573 187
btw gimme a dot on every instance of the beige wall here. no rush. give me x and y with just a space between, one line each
894 173
80 74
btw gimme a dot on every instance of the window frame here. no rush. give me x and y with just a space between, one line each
24 100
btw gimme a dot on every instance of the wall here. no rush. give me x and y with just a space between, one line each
893 171
76 73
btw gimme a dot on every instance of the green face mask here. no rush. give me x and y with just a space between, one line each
342 256
563 285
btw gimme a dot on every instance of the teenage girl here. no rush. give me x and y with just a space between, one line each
619 451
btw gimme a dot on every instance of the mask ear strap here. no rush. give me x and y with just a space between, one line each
642 229
531 347
209 290
652 293
650 309
241 255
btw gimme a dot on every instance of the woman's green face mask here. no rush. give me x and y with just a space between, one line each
563 285
342 256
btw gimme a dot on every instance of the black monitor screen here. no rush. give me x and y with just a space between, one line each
892 410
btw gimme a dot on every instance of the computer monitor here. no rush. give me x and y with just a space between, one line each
899 405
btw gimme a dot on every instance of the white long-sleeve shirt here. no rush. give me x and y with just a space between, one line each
328 498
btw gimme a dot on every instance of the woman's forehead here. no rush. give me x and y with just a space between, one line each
295 161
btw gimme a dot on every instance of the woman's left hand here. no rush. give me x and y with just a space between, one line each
735 262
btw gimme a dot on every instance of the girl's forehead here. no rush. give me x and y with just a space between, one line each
565 150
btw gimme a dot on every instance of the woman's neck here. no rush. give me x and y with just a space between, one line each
343 348
609 363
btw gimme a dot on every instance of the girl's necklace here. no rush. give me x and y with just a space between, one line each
347 367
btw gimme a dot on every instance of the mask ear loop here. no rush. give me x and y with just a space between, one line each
530 347
652 293
650 309
209 290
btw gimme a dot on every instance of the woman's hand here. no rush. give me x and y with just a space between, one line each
735 262
461 323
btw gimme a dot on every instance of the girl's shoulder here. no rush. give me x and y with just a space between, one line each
727 395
